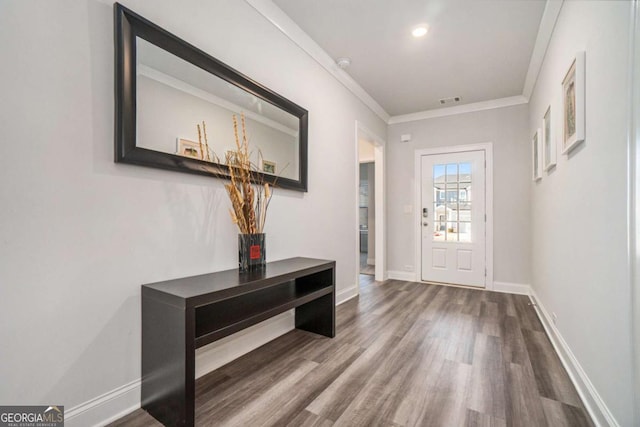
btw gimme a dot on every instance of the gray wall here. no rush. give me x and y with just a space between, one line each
79 234
579 209
506 128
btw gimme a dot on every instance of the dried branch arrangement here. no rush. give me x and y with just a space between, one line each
205 151
249 194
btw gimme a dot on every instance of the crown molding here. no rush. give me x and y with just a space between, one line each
290 29
545 30
460 109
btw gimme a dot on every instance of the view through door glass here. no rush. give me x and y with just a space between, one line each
452 202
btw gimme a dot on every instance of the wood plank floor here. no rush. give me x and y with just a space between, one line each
405 354
365 268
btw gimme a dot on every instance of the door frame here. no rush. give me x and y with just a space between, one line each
487 147
633 196
362 132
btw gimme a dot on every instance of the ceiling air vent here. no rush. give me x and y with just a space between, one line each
451 100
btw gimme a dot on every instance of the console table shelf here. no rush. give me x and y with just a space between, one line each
181 315
230 316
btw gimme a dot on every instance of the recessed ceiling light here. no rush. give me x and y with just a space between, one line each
419 31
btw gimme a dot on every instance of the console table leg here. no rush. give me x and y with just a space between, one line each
168 362
318 316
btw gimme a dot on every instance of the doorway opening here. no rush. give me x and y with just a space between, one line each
367 214
369 227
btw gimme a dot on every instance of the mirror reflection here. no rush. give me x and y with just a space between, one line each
173 96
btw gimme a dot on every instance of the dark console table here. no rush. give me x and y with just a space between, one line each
181 315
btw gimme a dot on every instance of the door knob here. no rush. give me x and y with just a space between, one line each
425 224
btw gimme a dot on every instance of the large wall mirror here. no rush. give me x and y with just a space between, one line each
165 87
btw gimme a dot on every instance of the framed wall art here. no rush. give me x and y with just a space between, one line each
536 156
573 102
548 142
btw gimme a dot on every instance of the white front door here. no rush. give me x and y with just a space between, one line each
453 218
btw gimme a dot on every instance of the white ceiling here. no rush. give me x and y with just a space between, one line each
476 49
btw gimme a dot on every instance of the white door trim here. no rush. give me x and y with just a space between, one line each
633 181
488 149
380 195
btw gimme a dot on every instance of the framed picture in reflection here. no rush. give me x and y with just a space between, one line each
187 148
268 167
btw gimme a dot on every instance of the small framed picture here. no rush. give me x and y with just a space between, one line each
548 142
573 101
536 156
268 167
188 148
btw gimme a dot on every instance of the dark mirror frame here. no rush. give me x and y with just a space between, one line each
128 26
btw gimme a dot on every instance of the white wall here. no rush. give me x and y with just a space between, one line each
79 234
579 210
506 128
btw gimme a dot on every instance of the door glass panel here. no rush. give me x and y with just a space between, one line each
464 212
452 202
465 192
452 231
452 172
465 172
439 220
438 173
452 192
439 232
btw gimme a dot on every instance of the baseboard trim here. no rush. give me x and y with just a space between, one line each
598 410
511 288
105 408
346 294
405 276
506 287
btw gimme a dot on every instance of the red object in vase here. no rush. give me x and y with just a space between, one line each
254 252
